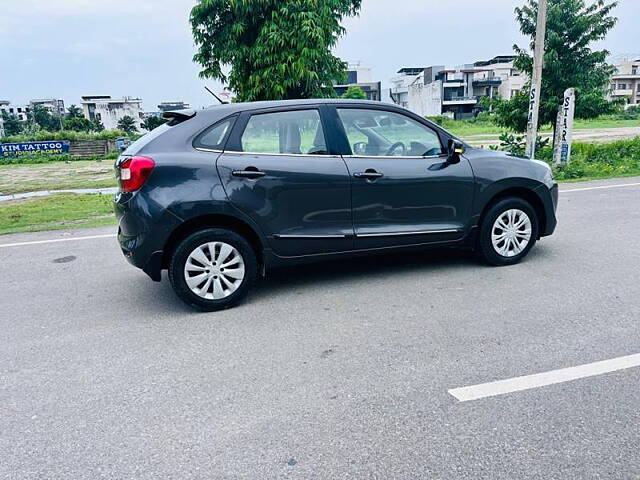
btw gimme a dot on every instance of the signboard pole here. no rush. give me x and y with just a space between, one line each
536 80
564 128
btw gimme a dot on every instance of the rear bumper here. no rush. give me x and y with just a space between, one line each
143 232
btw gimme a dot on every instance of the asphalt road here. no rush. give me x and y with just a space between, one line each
340 370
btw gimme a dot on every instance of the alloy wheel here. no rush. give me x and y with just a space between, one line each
214 270
511 233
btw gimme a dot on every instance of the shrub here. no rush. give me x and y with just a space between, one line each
41 158
72 135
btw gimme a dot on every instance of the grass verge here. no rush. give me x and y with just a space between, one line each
56 212
56 176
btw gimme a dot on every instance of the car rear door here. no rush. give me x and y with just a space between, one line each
404 191
277 169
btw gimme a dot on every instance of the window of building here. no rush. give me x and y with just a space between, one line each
622 86
378 133
294 132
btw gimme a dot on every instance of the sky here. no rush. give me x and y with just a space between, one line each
144 48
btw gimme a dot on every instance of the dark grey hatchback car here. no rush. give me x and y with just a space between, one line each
219 196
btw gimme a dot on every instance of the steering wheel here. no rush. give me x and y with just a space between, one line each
394 147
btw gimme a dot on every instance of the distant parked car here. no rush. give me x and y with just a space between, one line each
219 196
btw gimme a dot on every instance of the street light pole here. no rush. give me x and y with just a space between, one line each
536 80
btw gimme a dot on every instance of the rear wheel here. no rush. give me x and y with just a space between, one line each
213 269
508 232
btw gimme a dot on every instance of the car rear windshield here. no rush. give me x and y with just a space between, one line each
144 140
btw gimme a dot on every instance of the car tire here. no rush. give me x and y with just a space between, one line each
213 269
504 229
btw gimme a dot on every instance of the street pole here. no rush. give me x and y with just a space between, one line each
536 80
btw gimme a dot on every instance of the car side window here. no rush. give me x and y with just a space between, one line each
214 137
293 132
379 133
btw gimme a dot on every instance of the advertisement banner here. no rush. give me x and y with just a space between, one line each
49 147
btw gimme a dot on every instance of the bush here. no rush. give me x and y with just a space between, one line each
602 160
72 135
41 158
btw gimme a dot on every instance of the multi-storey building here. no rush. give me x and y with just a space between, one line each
109 111
361 77
20 111
438 90
625 83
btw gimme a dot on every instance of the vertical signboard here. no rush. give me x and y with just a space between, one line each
564 128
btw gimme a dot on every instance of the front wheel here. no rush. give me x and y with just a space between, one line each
213 269
508 232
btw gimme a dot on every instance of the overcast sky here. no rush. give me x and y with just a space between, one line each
70 48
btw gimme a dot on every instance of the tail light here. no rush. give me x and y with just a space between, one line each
134 172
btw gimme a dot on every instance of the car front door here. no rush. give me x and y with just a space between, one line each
404 191
277 170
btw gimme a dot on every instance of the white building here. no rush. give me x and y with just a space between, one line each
456 91
625 83
20 111
400 84
54 105
361 77
109 111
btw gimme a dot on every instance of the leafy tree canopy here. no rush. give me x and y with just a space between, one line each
42 117
82 125
127 124
151 123
74 111
12 124
355 93
572 28
277 49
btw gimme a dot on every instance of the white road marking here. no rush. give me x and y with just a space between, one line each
601 187
70 239
502 387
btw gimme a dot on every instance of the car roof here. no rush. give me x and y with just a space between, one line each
231 108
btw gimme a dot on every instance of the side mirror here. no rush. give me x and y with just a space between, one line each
455 149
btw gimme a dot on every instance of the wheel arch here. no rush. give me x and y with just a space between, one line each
212 221
520 192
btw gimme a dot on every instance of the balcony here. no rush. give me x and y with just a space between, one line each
487 82
459 100
622 93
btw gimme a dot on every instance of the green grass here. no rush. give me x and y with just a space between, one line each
60 211
464 128
55 176
595 161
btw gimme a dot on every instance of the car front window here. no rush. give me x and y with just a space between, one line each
379 133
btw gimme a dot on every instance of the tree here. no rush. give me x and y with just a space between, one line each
42 117
355 93
74 111
80 124
127 124
572 26
277 49
97 125
12 124
153 122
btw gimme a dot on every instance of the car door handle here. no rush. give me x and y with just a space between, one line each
249 172
369 175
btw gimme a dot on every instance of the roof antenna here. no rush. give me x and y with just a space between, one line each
217 97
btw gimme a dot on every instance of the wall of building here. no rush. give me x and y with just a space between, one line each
425 99
110 111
